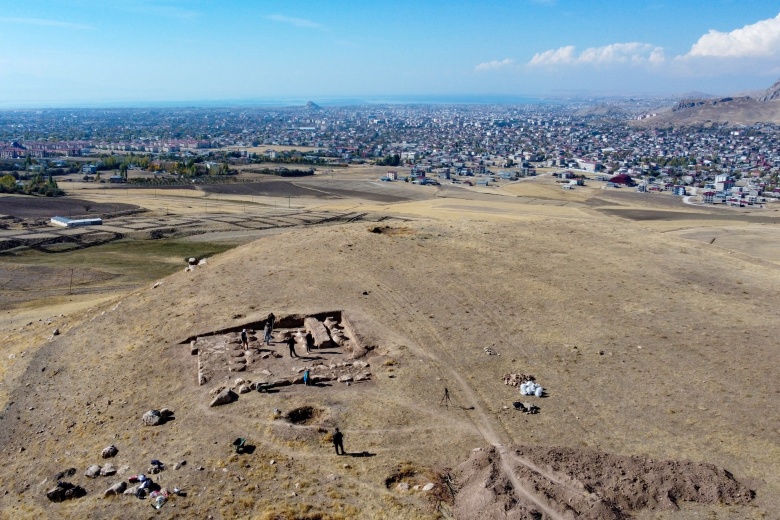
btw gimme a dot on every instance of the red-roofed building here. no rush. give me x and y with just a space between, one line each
623 178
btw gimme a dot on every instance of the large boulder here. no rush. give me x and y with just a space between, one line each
152 418
65 491
109 451
93 471
318 331
108 469
116 489
226 396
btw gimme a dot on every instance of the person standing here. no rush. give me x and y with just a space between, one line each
266 333
306 378
338 442
271 324
244 340
291 346
309 342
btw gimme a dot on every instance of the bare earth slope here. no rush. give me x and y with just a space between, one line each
647 345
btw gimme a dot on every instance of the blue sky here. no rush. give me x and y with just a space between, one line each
77 52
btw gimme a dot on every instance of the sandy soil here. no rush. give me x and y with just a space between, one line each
649 345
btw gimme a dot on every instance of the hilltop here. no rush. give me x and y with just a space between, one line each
653 350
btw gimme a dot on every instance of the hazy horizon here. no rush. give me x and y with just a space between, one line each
84 53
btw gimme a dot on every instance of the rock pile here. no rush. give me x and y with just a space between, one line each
517 379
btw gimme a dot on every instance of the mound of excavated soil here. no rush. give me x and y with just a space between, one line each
576 483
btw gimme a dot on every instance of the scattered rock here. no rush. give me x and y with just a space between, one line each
344 379
67 473
152 418
427 487
402 486
109 451
224 397
93 471
132 490
243 389
217 389
116 489
108 469
56 332
65 491
179 464
362 377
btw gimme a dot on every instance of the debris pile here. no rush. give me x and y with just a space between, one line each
585 484
517 379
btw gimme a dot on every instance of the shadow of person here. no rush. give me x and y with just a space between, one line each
361 454
249 449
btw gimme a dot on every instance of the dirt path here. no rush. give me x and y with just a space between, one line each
421 331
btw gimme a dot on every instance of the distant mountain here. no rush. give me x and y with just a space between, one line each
772 93
601 110
738 110
312 105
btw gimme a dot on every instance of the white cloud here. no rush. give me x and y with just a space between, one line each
761 39
43 23
494 65
554 56
297 22
635 53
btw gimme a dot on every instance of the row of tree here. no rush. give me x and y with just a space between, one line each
38 185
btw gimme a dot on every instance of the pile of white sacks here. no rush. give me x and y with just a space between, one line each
531 388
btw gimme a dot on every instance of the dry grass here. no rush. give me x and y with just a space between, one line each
562 293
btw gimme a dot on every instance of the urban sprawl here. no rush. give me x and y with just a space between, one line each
736 165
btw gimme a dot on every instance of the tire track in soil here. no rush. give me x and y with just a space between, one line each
483 425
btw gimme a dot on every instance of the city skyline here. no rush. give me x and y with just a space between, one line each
84 53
